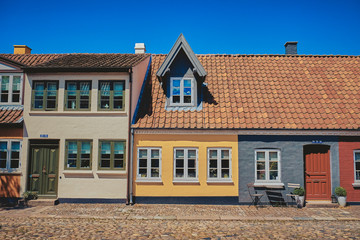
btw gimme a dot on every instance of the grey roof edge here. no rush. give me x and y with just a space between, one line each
181 43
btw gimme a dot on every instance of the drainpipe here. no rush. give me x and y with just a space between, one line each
130 140
131 167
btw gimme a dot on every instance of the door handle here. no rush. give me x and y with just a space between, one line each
44 169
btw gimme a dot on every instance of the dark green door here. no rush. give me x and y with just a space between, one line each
44 170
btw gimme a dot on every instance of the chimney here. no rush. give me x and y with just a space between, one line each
291 48
140 48
22 49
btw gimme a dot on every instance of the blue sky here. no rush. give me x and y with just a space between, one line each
233 27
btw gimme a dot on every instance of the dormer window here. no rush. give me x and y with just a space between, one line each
182 91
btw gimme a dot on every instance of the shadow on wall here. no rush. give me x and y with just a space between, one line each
145 107
9 186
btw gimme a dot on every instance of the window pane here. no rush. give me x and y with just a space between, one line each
14 164
118 163
191 172
191 153
187 91
3 146
176 99
260 156
213 173
142 163
273 156
191 163
105 95
51 95
213 153
155 172
105 154
179 153
3 154
357 166
357 177
260 175
179 163
85 154
15 154
357 156
142 153
71 95
143 172
118 95
213 163
260 165
225 154
39 95
84 95
72 154
16 89
4 88
225 164
225 173
176 91
154 163
118 155
273 166
187 99
155 153
187 83
176 83
179 173
273 175
105 163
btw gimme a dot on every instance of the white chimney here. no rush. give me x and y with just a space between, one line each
140 48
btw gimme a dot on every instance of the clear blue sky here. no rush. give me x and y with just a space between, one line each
233 27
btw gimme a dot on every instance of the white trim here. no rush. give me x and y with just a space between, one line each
8 157
219 178
263 132
10 90
186 178
356 180
267 180
182 92
148 177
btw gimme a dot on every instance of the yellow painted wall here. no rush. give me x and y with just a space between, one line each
168 142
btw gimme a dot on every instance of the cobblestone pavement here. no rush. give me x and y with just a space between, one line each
114 221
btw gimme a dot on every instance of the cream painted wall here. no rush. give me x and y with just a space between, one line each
92 125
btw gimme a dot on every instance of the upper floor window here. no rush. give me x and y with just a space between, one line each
182 91
111 95
77 95
185 164
44 95
149 163
357 165
267 164
219 163
112 155
10 154
10 88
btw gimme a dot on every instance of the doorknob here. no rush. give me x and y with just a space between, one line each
44 170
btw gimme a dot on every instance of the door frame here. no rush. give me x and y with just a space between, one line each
43 143
330 167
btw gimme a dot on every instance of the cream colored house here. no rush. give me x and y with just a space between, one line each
77 111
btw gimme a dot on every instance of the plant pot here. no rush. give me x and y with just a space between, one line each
341 201
300 199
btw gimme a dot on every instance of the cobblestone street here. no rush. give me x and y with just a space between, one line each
113 221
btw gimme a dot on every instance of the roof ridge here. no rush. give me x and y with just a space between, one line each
269 55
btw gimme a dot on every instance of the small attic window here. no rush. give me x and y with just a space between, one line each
182 91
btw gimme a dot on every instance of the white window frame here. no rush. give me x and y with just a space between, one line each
10 95
186 178
182 92
219 177
355 180
267 166
148 165
8 157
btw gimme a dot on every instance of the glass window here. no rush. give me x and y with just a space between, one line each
112 155
149 162
10 154
357 165
10 88
185 162
267 163
44 95
5 88
219 163
77 95
111 95
181 91
78 154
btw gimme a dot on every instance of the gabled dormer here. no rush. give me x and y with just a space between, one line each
182 77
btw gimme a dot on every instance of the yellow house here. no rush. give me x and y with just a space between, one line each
178 155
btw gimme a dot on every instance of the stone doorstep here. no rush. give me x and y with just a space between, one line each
320 204
42 202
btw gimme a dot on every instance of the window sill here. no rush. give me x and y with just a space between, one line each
184 181
269 185
220 182
10 172
356 185
149 181
77 172
112 173
77 113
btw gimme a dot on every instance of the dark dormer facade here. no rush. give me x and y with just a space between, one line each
182 77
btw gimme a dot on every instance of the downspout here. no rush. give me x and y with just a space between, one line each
131 167
129 161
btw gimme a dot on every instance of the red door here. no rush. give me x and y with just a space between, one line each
317 172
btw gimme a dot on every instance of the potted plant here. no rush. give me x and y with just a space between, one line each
300 196
341 196
28 195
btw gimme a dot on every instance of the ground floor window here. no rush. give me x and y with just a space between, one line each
78 154
149 163
357 165
10 154
185 163
219 163
111 154
267 162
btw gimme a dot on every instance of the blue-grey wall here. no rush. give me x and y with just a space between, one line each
292 161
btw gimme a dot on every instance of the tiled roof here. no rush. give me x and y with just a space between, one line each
76 60
11 114
31 59
263 92
90 60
